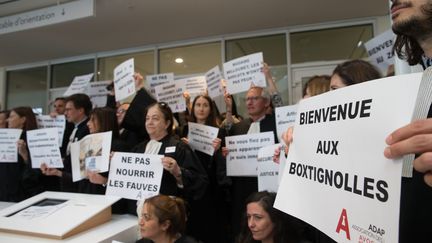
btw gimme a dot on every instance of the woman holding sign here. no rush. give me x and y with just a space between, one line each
183 174
214 204
18 181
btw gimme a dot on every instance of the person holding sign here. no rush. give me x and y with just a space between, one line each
18 181
183 173
214 204
263 223
162 220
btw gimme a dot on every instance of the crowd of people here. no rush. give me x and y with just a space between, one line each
198 202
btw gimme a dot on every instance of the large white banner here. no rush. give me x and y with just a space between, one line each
380 50
201 137
124 82
268 171
98 92
158 79
337 154
214 85
242 158
43 148
90 153
8 145
172 94
135 176
285 118
59 122
79 85
240 73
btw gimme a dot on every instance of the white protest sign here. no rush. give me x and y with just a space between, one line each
172 94
194 85
243 152
124 82
214 85
201 137
282 162
380 50
78 85
90 153
158 79
135 176
43 148
98 93
268 171
285 117
338 154
240 73
8 144
46 121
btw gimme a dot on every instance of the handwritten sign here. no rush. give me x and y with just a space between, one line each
242 158
124 82
214 86
158 79
59 122
43 148
240 73
78 85
135 176
98 93
172 94
268 171
337 154
285 118
8 145
380 50
201 137
90 153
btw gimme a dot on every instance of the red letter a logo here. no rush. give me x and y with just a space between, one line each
343 224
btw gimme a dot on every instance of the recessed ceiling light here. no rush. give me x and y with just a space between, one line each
179 60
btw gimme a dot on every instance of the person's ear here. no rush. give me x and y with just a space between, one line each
165 225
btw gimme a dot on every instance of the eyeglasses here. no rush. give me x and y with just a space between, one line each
252 98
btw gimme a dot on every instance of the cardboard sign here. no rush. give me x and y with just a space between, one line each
135 176
285 118
59 122
124 82
98 93
172 94
90 153
268 171
214 86
201 137
78 85
242 72
338 154
380 50
158 79
8 145
242 158
43 148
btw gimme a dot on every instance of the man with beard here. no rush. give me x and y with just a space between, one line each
412 23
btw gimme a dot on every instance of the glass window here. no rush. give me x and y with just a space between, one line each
27 87
274 52
63 74
193 59
143 61
330 44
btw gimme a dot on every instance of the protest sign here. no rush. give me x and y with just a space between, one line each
124 82
214 85
43 147
201 137
194 85
98 92
380 50
78 85
90 153
158 79
338 154
240 73
285 118
243 152
268 171
135 176
172 94
59 122
8 145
